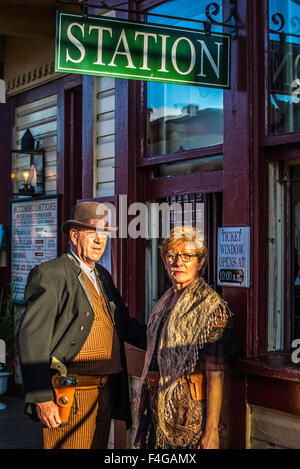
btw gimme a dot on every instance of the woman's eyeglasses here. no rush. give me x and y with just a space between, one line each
184 257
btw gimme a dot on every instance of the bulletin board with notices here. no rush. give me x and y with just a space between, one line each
34 238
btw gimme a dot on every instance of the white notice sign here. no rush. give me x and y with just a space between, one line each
34 239
234 256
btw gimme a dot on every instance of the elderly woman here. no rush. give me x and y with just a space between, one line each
180 396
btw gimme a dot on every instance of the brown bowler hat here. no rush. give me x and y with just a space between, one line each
88 215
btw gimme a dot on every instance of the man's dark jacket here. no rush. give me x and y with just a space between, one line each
57 321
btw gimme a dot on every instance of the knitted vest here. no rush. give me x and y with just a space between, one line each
100 353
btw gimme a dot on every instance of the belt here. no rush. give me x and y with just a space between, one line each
152 379
195 382
90 381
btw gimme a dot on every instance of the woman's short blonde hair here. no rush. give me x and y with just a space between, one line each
180 235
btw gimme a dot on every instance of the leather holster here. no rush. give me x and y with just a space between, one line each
196 383
64 398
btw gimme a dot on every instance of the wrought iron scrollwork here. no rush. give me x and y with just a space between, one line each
212 10
279 21
215 12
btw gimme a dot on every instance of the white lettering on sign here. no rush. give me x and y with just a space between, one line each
123 49
146 43
100 30
204 49
163 52
174 55
128 49
122 39
76 43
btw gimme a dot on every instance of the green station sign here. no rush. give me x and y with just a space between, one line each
141 51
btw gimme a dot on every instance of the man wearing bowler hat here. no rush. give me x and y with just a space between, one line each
71 340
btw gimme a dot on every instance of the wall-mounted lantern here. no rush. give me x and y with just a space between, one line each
27 168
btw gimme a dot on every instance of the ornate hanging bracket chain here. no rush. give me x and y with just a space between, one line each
212 10
279 21
231 22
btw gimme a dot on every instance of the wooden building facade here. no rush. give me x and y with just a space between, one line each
236 151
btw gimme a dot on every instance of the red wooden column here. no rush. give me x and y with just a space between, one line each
236 195
66 150
258 317
87 136
237 198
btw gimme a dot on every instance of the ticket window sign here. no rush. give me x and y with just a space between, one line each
234 256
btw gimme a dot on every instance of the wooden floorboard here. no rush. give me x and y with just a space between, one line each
17 430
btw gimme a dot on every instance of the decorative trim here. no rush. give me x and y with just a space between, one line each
32 78
211 9
279 21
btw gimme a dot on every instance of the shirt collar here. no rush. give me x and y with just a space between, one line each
88 270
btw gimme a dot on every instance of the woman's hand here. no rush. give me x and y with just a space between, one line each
214 384
210 440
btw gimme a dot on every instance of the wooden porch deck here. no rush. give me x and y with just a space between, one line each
17 430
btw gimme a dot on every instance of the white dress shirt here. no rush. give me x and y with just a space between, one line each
90 272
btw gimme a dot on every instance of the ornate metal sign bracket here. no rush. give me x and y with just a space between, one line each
212 10
279 21
231 22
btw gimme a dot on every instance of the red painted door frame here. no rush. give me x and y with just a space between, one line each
240 194
72 155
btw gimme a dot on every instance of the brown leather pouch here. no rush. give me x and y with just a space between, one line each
64 398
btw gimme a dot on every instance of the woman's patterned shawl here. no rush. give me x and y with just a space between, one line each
185 332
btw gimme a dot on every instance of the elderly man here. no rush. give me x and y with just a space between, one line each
72 339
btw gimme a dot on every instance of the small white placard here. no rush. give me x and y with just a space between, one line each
234 256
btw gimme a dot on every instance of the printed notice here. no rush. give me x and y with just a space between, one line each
234 257
34 239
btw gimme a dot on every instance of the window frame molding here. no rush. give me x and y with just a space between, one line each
143 160
276 149
266 139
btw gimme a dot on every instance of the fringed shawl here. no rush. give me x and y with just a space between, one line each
185 332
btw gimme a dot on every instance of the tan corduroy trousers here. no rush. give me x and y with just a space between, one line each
88 425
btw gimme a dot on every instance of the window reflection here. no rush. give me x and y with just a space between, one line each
284 256
284 68
296 267
198 165
180 117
